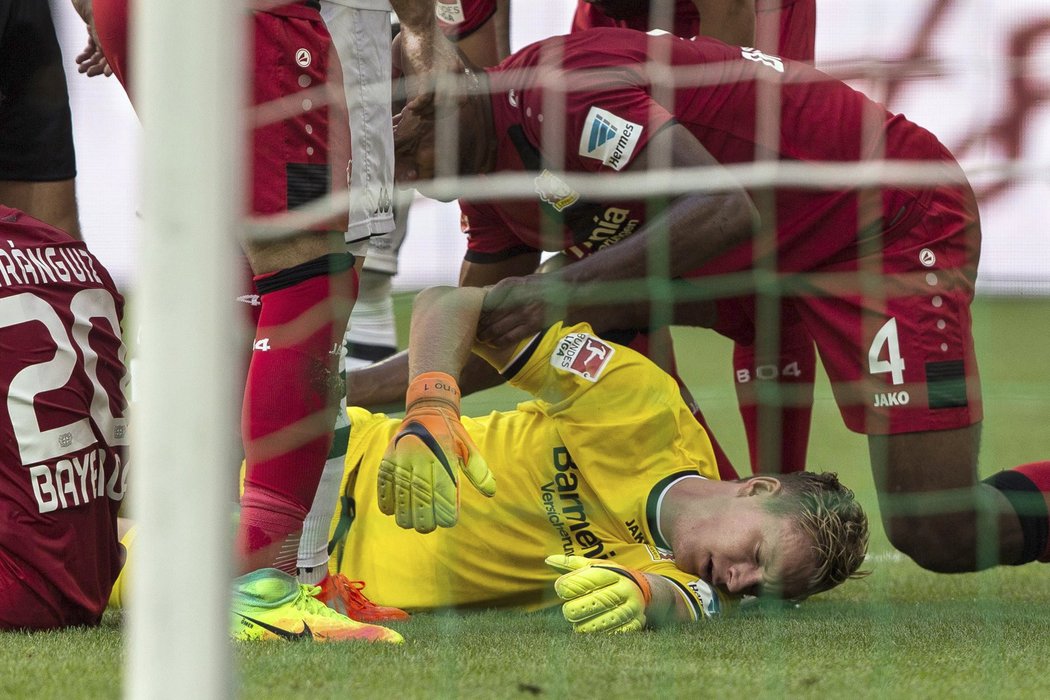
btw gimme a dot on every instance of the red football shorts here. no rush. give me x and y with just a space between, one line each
300 146
301 136
894 331
892 324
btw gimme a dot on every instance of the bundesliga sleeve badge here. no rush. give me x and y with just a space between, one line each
608 138
582 354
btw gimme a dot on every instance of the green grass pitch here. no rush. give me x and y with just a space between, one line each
900 633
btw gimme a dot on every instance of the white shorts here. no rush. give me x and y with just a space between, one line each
383 251
362 40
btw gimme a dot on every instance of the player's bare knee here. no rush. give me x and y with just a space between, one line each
937 544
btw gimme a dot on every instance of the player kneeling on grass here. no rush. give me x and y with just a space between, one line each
606 477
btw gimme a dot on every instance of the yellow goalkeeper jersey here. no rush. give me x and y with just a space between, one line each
579 470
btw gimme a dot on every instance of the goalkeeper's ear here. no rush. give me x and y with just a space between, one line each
760 486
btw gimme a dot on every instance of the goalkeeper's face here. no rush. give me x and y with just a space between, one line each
741 547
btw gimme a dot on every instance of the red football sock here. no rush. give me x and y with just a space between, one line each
777 433
290 400
269 532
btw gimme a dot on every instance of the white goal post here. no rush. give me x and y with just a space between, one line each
188 83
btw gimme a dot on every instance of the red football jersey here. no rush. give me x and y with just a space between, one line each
602 109
900 357
63 426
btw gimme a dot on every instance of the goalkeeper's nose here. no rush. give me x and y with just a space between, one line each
744 578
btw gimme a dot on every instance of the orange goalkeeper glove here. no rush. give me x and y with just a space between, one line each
418 477
600 596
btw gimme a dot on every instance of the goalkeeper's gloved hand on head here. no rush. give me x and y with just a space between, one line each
600 596
418 477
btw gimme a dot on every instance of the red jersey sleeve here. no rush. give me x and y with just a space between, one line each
490 238
609 117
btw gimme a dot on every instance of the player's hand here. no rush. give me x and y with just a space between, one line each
514 310
418 476
414 140
91 61
600 596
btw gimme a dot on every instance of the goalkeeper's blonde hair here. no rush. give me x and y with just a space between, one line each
827 513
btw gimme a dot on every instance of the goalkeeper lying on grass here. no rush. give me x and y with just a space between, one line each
607 491
607 463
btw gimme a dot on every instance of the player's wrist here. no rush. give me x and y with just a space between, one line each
433 389
639 579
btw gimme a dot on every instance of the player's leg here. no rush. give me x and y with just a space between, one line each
901 359
360 39
37 162
372 335
1027 488
936 511
306 286
293 390
775 395
925 459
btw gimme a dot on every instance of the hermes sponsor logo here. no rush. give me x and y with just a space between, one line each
608 138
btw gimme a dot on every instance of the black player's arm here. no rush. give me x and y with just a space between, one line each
484 274
478 374
694 229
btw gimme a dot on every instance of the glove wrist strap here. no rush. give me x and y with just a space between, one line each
433 388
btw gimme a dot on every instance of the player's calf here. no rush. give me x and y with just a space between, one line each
1027 488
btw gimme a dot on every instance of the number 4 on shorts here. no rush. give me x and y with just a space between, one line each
894 364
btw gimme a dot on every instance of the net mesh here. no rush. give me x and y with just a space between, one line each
975 74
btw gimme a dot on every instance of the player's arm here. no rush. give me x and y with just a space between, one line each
381 386
424 48
419 474
603 596
731 21
694 229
